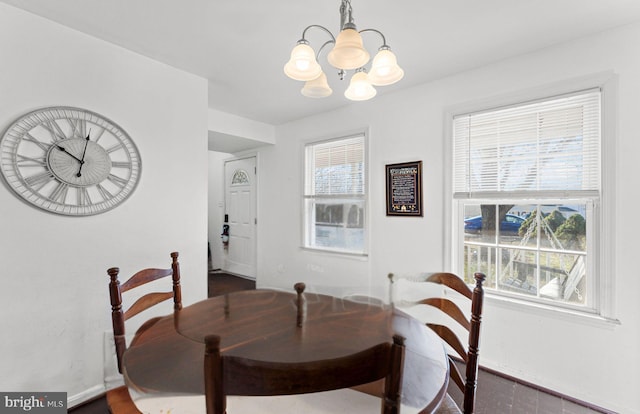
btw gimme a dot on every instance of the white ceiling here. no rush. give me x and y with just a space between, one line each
241 46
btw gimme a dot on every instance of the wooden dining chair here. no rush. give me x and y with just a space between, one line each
118 399
229 375
448 304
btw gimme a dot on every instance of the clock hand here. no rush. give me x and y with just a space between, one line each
79 174
69 154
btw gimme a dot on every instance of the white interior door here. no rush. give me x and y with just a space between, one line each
240 210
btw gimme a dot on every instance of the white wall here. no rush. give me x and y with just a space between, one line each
592 362
55 304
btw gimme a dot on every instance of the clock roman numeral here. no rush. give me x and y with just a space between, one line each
120 182
59 194
121 164
54 129
114 148
31 138
97 136
24 161
104 192
37 181
78 127
83 197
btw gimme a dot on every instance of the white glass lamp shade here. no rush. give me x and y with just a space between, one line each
360 89
348 52
385 69
317 88
303 65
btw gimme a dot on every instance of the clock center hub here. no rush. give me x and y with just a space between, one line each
78 162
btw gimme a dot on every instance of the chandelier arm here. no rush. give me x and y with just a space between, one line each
304 32
384 40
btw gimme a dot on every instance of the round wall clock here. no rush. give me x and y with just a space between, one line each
69 161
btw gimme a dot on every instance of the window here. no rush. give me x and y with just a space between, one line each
527 196
335 195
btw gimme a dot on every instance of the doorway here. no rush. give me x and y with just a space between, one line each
240 215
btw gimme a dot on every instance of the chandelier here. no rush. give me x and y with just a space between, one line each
348 53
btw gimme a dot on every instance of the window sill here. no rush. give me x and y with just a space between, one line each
568 315
336 252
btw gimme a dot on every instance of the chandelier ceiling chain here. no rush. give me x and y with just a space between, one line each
348 53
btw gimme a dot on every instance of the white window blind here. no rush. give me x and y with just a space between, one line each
336 167
545 146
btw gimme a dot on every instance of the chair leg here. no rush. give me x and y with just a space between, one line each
215 398
392 386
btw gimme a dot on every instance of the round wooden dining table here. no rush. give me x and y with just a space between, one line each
280 327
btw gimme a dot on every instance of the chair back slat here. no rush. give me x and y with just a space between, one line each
452 281
450 338
145 302
143 277
450 308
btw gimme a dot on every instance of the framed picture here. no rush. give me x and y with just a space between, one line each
404 189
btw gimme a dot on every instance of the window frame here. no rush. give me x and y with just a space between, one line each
364 198
602 263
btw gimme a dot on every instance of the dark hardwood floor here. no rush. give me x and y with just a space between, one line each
221 283
97 406
496 394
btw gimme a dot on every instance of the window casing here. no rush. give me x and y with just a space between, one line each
335 199
526 199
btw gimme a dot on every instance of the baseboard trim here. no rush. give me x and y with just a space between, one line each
86 396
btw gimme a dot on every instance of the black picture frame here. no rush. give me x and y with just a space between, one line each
404 189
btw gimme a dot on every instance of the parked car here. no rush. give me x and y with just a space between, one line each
510 225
